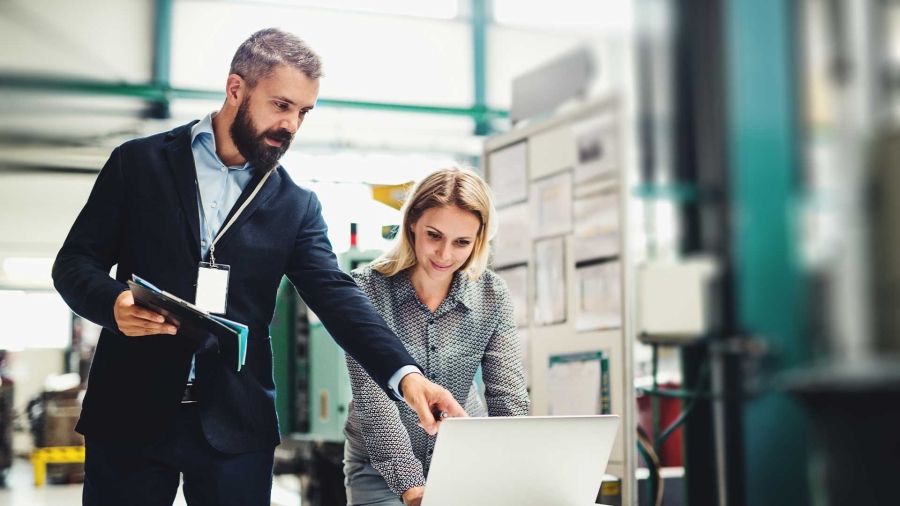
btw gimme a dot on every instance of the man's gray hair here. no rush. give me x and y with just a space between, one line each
268 49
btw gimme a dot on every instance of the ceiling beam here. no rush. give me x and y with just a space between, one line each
157 93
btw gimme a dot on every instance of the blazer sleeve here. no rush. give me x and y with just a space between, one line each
504 379
81 270
335 298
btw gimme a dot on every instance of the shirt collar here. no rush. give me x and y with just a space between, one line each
205 126
459 289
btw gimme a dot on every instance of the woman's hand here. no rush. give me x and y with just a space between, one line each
413 496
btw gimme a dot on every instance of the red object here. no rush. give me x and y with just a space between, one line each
670 455
353 235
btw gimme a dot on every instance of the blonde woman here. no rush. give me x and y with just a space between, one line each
452 314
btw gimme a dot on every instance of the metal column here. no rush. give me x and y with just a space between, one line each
162 57
763 126
480 17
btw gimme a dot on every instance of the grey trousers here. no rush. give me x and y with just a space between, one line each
365 485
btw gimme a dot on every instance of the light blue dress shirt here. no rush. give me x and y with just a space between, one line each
219 187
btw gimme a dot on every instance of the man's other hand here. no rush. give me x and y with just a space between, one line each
426 398
136 321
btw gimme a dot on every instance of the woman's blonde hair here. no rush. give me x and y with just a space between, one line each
448 187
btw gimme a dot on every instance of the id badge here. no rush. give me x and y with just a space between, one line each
212 287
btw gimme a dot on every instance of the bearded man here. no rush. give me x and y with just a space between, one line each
206 212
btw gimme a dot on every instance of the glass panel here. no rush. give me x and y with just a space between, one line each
109 40
388 58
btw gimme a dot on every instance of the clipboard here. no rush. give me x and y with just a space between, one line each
207 331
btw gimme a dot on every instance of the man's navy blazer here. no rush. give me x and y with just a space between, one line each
142 215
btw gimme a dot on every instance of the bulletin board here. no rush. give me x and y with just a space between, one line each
561 246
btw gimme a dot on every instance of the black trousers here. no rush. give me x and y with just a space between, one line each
148 475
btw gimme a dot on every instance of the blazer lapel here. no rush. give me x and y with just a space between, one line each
181 162
267 190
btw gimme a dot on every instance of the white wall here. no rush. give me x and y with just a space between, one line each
110 40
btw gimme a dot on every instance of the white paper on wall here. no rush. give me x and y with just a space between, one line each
574 384
508 175
549 281
551 205
599 297
513 236
596 227
596 142
517 282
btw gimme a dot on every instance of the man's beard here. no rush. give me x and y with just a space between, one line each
252 144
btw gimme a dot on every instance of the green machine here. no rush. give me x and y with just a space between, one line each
313 386
290 346
329 382
313 390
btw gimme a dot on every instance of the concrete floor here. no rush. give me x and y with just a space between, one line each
20 490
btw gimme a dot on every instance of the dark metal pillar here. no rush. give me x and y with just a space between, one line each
713 446
162 56
764 159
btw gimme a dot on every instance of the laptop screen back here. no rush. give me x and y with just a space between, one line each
521 461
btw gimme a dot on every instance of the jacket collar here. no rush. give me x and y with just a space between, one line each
181 162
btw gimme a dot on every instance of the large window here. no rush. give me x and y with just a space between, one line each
367 57
34 320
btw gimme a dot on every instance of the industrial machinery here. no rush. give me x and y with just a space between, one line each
768 125
313 391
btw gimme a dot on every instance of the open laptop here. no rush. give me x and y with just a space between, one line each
520 461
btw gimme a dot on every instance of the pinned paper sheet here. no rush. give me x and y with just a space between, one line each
517 283
550 282
551 206
596 227
599 302
508 174
596 141
574 384
513 236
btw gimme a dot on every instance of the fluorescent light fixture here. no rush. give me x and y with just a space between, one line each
375 168
440 9
589 15
20 269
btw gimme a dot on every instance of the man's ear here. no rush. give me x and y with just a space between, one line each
235 89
